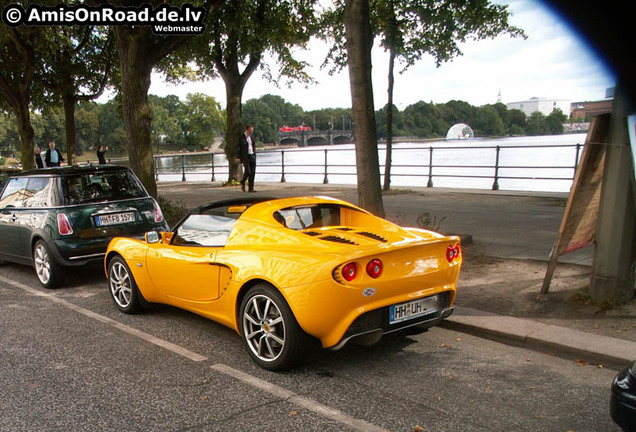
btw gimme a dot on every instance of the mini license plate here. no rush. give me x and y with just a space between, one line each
115 218
409 310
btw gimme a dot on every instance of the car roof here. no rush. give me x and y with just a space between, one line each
71 170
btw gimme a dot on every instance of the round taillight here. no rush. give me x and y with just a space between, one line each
158 212
374 268
452 252
349 271
64 225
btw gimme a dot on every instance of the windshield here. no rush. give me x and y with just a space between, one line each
101 186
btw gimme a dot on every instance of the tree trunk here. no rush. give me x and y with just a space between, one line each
359 42
135 76
389 124
69 118
25 133
234 95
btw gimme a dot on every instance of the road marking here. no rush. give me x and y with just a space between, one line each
310 404
123 327
305 402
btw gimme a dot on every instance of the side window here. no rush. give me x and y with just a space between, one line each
39 192
204 230
14 193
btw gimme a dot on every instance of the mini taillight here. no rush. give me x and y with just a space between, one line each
158 213
452 252
349 271
63 224
374 268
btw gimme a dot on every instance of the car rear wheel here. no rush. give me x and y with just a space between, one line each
48 271
273 338
123 289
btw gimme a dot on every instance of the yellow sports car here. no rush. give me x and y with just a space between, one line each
283 271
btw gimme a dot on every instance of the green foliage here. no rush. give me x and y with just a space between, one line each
173 212
193 123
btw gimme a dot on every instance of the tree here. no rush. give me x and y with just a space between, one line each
139 52
410 29
203 120
242 32
536 124
19 53
359 39
77 69
554 122
517 122
487 122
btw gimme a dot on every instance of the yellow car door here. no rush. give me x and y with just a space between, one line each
183 269
184 274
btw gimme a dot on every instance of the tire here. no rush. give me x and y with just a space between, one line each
273 338
123 288
48 271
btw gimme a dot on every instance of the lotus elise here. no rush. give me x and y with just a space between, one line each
284 272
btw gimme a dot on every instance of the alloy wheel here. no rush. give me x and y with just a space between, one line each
120 284
264 328
42 263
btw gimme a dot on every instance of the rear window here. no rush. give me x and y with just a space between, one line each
97 187
314 216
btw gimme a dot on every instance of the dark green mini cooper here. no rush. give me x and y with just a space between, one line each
61 217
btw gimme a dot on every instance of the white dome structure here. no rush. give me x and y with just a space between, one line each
460 131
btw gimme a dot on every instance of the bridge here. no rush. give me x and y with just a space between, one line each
316 138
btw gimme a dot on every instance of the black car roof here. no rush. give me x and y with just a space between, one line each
71 170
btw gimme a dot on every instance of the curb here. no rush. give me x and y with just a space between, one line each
551 339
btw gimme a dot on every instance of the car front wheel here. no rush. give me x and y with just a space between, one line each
47 269
269 329
123 289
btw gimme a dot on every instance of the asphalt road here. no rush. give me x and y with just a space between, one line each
71 361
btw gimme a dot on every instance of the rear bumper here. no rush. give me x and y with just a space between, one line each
372 325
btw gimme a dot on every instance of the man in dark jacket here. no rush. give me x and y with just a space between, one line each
38 157
53 157
247 156
101 151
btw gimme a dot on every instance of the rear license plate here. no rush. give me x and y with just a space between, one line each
409 310
115 218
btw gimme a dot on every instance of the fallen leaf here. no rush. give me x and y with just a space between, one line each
293 413
418 428
203 397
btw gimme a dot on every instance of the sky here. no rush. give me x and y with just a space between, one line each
554 62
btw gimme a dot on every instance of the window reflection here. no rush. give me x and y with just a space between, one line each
204 230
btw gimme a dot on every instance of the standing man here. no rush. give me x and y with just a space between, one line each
38 157
100 154
247 156
53 157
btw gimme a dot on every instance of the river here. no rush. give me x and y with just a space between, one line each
541 163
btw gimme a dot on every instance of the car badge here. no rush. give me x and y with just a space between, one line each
368 292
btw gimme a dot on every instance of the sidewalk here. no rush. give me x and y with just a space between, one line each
506 238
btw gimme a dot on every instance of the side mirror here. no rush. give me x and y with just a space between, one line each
152 237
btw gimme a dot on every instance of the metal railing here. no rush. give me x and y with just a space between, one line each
439 163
